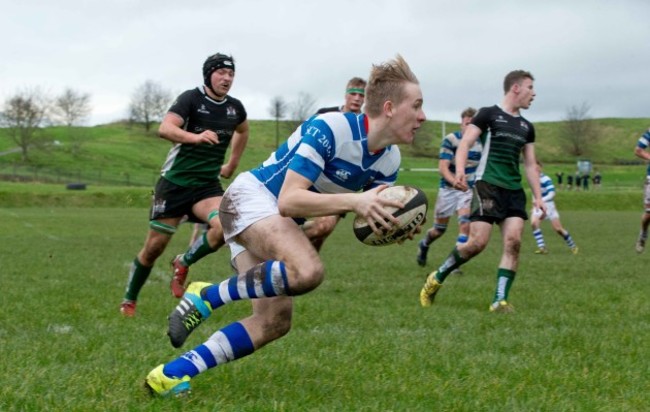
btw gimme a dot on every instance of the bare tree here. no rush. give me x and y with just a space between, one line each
278 111
149 103
24 114
579 131
303 107
72 107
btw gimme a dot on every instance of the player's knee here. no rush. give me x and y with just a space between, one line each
320 229
308 274
512 246
473 247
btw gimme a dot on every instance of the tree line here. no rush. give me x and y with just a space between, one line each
27 111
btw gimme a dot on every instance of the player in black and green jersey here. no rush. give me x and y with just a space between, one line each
201 123
498 196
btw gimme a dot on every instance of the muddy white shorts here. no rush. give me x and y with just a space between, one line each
551 211
451 200
245 202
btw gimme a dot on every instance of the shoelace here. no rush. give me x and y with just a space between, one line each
192 320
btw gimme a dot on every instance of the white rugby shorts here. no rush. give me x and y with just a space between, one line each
245 202
450 200
551 211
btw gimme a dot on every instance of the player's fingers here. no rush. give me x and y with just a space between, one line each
389 220
376 229
211 137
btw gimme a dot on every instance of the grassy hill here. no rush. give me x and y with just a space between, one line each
112 156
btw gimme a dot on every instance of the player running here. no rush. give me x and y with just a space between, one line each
317 172
201 123
552 215
499 197
450 200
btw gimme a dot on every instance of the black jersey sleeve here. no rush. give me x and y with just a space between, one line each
241 110
182 106
531 132
482 118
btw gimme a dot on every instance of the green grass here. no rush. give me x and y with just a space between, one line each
625 196
360 342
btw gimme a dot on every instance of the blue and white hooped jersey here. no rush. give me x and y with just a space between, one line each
331 150
448 152
643 143
548 189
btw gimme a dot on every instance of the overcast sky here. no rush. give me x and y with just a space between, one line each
595 52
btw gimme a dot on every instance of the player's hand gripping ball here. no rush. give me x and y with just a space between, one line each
413 214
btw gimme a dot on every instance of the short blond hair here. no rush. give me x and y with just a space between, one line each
386 83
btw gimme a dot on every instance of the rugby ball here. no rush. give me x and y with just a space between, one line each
413 214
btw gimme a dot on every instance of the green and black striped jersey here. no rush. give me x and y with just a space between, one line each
503 138
192 165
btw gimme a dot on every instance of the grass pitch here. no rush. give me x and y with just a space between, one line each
360 342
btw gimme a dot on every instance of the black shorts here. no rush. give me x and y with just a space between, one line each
172 200
493 204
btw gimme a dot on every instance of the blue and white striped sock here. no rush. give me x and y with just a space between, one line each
265 280
226 345
539 238
569 240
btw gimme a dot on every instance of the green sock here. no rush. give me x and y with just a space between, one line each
505 277
453 261
199 249
137 277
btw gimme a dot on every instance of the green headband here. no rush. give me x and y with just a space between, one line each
356 90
